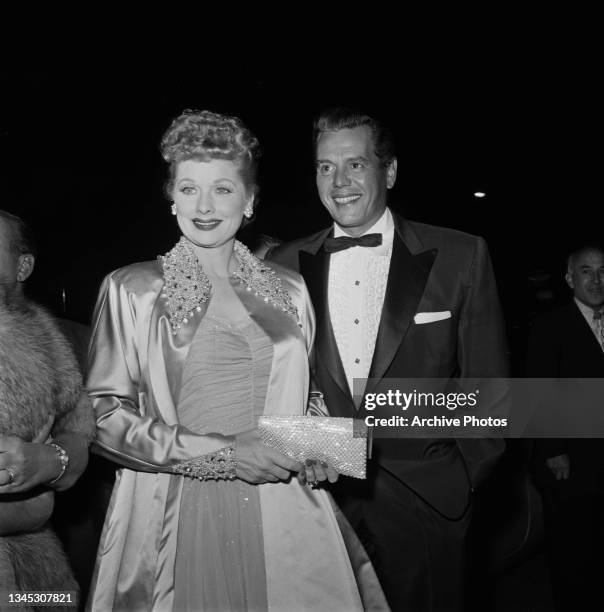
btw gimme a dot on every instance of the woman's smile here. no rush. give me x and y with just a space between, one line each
207 225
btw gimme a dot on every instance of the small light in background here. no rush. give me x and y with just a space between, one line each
479 194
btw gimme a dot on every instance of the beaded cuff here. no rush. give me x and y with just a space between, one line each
220 465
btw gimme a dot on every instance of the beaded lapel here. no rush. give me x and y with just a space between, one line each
186 285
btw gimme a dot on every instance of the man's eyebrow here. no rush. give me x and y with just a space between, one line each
348 159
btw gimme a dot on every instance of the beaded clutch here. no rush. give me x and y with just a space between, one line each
341 442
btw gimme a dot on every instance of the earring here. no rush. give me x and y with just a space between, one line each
248 211
173 209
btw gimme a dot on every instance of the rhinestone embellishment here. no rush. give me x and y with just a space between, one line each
221 465
186 285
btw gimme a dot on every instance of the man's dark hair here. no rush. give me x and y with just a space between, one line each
20 236
341 118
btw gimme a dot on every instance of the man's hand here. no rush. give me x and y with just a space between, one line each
30 463
258 463
560 466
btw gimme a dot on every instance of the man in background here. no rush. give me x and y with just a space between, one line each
569 343
25 465
46 423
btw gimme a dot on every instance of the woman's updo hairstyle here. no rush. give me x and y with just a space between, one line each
204 136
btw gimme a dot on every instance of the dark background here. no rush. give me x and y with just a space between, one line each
80 157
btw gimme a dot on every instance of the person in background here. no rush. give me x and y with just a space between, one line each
46 423
568 343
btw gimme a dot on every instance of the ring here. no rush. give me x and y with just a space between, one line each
314 484
11 475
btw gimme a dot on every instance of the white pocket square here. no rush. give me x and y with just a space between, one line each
430 317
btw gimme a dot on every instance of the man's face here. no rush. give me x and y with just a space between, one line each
8 262
586 278
351 182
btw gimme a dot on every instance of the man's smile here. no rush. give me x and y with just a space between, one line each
346 199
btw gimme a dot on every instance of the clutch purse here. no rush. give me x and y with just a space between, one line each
341 442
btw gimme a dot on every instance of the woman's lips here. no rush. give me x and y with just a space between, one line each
208 225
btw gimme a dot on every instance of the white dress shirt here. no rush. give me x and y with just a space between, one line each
356 289
595 324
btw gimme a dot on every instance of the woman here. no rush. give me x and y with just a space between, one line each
187 353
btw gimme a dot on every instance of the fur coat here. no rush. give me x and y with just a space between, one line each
39 382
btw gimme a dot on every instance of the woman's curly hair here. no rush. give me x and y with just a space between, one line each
203 136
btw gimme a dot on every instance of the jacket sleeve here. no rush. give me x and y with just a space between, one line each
316 403
482 355
125 433
482 342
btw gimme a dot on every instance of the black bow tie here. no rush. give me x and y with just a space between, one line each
333 245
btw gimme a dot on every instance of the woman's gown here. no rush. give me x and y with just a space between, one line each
220 553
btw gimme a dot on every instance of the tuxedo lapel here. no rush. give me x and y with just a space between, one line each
315 270
407 277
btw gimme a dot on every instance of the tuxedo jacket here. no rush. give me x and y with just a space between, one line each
562 345
432 269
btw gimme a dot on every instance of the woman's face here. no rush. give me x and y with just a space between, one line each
210 197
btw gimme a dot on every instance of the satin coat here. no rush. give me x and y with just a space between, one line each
135 369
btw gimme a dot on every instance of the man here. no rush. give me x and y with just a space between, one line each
46 419
569 343
35 464
418 302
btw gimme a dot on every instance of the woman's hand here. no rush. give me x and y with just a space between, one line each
258 463
25 465
34 463
315 472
